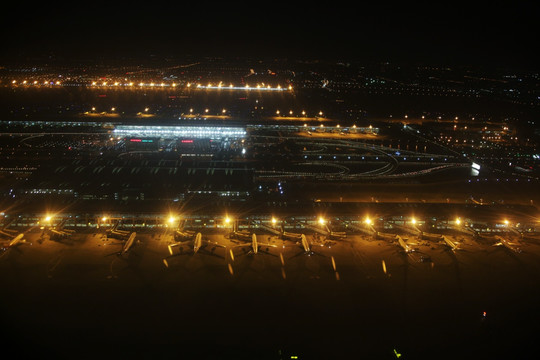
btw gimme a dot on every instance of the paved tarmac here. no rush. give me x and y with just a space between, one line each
356 297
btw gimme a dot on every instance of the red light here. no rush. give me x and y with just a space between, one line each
135 140
187 141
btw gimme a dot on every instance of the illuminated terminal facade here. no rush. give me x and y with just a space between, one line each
176 132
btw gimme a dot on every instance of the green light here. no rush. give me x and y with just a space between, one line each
398 355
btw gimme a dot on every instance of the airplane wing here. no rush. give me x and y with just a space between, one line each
214 243
8 232
180 245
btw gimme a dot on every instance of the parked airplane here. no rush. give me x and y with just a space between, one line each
180 235
197 243
452 245
305 245
15 238
254 244
129 243
507 244
115 232
15 241
403 244
57 231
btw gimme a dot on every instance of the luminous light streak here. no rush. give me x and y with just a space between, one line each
231 87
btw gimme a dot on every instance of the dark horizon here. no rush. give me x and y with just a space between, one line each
493 35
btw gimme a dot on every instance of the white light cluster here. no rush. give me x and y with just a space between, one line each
199 132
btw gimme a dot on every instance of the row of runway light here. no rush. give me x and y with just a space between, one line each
131 84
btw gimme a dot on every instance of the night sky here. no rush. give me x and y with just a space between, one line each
453 32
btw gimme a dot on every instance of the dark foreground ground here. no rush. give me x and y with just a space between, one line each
79 300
